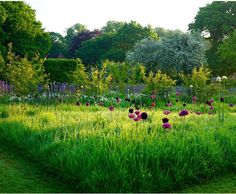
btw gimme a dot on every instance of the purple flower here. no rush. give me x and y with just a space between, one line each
166 125
211 107
183 113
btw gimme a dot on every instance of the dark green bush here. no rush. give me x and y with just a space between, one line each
60 70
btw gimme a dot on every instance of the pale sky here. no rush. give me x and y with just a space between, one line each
57 15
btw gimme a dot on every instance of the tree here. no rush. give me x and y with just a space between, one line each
93 51
59 47
227 55
112 27
115 45
145 52
181 52
79 38
129 34
72 31
19 26
165 33
216 21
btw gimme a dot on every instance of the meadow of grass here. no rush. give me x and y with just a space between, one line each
103 151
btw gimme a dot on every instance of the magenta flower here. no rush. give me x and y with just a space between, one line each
166 125
211 107
183 113
87 104
137 112
166 112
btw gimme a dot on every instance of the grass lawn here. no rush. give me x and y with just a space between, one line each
225 184
18 174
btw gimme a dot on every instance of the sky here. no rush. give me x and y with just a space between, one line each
58 15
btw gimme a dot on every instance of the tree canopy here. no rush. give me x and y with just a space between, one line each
18 25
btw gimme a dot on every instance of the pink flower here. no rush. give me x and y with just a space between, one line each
153 96
87 104
131 115
198 113
166 112
211 107
138 118
194 99
177 93
137 112
111 108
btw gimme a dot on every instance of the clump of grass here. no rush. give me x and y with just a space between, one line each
84 146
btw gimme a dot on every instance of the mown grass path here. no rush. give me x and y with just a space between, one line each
18 174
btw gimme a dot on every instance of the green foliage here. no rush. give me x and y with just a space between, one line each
60 70
112 27
59 47
79 75
118 72
18 25
93 51
159 82
23 74
227 55
216 20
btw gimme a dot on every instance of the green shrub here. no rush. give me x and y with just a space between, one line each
60 70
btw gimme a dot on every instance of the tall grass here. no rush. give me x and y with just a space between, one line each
101 152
